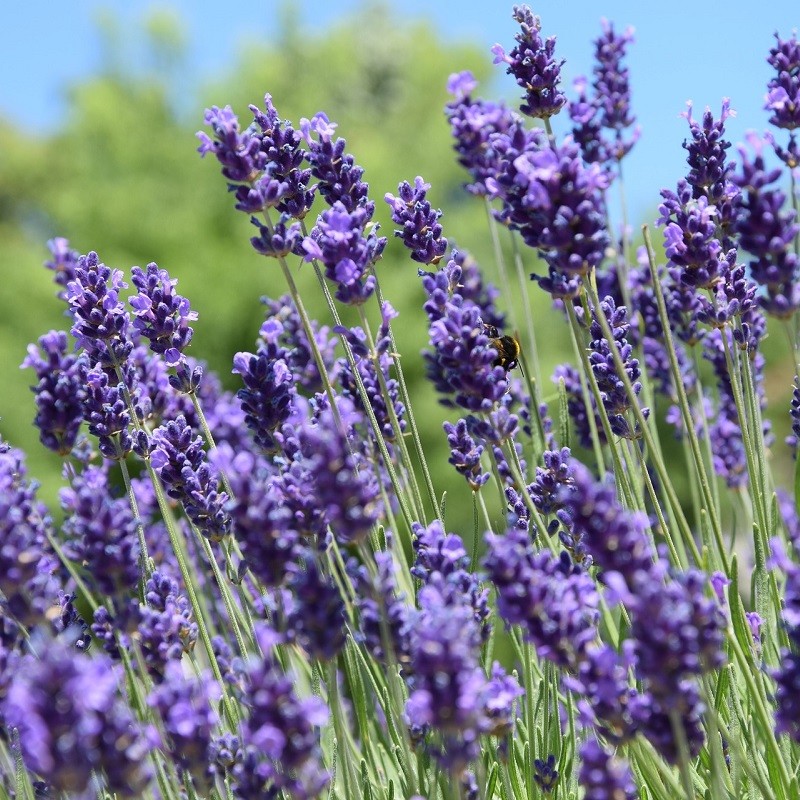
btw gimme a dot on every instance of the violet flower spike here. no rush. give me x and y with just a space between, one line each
421 233
533 64
161 315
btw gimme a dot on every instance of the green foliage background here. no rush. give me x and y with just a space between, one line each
122 176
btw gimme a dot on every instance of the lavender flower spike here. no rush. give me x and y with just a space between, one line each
532 63
161 315
421 233
59 393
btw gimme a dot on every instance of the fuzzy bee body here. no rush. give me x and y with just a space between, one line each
507 347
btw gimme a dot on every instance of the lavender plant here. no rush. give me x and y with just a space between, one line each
259 595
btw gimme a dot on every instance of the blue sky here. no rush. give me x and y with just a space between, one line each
682 51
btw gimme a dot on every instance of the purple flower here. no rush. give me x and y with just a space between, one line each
461 362
576 406
160 315
367 370
317 616
546 489
62 263
261 519
465 454
59 392
615 537
342 484
267 397
341 243
280 145
442 555
338 175
238 151
278 240
381 609
421 233
166 627
767 230
604 776
101 325
448 681
709 168
609 702
180 461
26 561
73 724
545 773
101 532
612 389
291 336
477 126
556 202
280 736
186 707
105 409
534 67
555 603
783 97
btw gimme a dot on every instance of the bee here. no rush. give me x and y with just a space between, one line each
507 347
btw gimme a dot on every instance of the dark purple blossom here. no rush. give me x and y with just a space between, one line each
787 675
442 555
267 397
102 532
341 242
59 392
340 483
278 240
186 705
71 623
783 97
180 461
280 146
160 315
461 362
280 737
546 489
101 324
608 701
421 232
576 407
545 773
338 175
533 64
603 776
105 409
26 560
385 616
367 362
166 628
473 288
616 538
450 688
238 151
557 204
555 603
767 230
478 128
292 337
612 390
62 263
317 616
465 454
261 518
73 724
